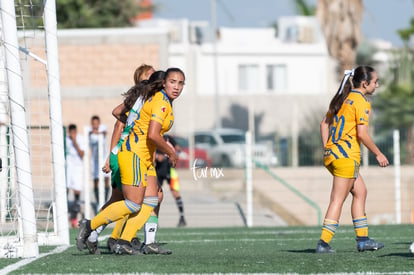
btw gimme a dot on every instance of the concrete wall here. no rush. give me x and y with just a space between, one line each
96 67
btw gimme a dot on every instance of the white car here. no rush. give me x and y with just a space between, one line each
227 148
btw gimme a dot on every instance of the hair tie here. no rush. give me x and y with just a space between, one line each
347 74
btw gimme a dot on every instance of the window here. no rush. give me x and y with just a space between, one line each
233 138
204 139
276 77
248 77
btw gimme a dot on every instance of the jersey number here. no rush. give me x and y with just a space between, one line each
336 131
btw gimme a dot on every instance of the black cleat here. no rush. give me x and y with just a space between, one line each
136 243
154 248
368 245
83 234
323 247
93 247
181 222
111 244
123 247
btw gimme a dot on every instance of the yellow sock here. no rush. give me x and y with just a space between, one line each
114 212
119 226
135 223
361 226
328 230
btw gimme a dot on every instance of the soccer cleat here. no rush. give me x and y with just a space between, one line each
123 247
84 232
136 243
368 245
181 222
323 247
154 248
111 244
92 247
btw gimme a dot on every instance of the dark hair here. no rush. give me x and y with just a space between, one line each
146 89
361 74
71 127
95 117
173 70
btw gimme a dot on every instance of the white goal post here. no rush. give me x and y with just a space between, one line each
21 232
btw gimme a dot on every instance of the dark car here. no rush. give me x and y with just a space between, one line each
201 158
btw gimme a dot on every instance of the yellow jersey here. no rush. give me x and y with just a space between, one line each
158 108
343 141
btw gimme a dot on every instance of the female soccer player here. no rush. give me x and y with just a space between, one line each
342 129
143 72
135 160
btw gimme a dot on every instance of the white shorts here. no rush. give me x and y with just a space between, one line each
74 178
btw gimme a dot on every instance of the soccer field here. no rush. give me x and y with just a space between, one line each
236 250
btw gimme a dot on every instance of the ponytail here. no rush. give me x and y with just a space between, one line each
342 93
352 79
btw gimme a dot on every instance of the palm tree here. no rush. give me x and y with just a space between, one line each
340 21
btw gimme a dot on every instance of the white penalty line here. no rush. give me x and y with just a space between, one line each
27 261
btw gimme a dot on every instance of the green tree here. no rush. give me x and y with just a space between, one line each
303 8
394 105
97 14
406 33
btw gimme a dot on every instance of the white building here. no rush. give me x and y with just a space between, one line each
276 76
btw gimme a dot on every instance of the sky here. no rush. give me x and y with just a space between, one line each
381 20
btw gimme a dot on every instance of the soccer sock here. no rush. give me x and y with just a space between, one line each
114 212
150 229
93 237
180 206
136 222
361 227
328 230
119 226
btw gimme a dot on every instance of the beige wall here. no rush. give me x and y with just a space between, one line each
96 67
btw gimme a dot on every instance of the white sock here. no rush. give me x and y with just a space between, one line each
93 237
150 231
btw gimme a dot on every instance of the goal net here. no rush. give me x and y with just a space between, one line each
33 203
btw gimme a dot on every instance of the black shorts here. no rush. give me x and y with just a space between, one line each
162 178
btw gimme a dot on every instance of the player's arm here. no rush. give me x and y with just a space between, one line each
325 130
116 135
73 138
365 138
120 112
154 136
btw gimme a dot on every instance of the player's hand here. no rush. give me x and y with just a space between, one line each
382 160
72 136
173 158
106 169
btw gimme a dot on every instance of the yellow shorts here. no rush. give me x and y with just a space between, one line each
344 168
133 170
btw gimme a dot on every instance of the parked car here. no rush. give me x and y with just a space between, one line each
227 148
200 155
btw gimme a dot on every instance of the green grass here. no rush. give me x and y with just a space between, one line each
242 250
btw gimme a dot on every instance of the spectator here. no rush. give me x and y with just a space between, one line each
74 170
95 130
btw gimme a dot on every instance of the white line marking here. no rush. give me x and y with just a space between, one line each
27 261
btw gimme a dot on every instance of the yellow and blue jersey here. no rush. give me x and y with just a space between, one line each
158 108
343 141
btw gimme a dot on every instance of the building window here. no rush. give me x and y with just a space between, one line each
248 77
276 77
